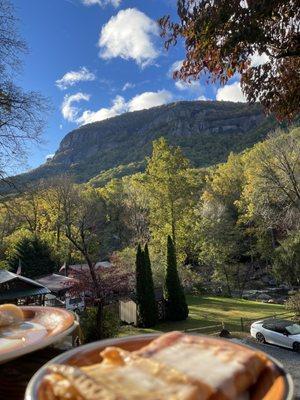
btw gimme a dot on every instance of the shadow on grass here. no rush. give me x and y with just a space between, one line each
206 311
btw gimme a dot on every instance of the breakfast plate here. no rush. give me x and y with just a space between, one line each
273 382
40 327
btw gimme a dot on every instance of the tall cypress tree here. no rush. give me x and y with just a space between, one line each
145 289
177 308
152 311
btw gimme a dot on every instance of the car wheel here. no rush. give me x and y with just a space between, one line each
296 347
260 338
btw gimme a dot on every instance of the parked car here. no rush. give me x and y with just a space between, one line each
280 332
76 304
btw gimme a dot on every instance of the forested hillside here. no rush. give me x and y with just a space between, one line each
206 131
228 222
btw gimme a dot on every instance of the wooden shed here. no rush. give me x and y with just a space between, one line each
128 309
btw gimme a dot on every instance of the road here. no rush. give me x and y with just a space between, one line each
288 358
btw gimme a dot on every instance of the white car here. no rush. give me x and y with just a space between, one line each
275 331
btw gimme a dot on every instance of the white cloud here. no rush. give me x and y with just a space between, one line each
129 35
102 3
88 116
128 85
259 59
149 99
49 157
231 92
193 86
69 111
175 67
119 106
203 98
60 126
73 77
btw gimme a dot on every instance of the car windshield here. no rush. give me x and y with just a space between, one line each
293 329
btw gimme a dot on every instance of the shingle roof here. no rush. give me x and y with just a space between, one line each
7 276
85 267
56 283
12 286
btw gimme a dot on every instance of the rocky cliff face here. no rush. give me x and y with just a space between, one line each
207 132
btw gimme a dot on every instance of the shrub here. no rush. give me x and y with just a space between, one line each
111 323
293 303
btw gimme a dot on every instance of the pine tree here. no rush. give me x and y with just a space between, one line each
145 289
34 256
177 308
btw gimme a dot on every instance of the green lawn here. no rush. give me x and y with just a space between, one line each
206 311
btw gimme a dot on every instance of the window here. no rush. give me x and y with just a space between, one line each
280 329
269 326
75 300
293 329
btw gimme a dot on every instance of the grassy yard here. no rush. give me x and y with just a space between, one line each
205 311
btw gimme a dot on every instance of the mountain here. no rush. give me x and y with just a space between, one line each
207 131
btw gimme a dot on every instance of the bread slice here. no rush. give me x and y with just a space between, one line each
10 314
121 376
174 366
218 364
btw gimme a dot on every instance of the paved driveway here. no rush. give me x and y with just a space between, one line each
289 359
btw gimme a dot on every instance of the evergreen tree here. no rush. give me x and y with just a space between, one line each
152 311
34 256
145 289
177 308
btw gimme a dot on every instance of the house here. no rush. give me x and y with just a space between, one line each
21 290
61 292
75 268
128 309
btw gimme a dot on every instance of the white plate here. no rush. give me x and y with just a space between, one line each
42 327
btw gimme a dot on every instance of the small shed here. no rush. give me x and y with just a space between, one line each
128 309
16 288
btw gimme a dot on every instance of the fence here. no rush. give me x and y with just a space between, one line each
207 329
246 322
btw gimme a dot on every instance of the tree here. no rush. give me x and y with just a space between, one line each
287 260
225 244
21 113
177 308
171 192
35 257
26 209
271 193
136 207
145 289
151 303
83 213
231 36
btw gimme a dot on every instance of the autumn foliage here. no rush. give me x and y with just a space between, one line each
221 38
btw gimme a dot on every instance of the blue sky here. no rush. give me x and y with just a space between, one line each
98 58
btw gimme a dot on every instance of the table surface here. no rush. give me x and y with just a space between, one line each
15 374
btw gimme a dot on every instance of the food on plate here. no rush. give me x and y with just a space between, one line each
10 314
175 366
